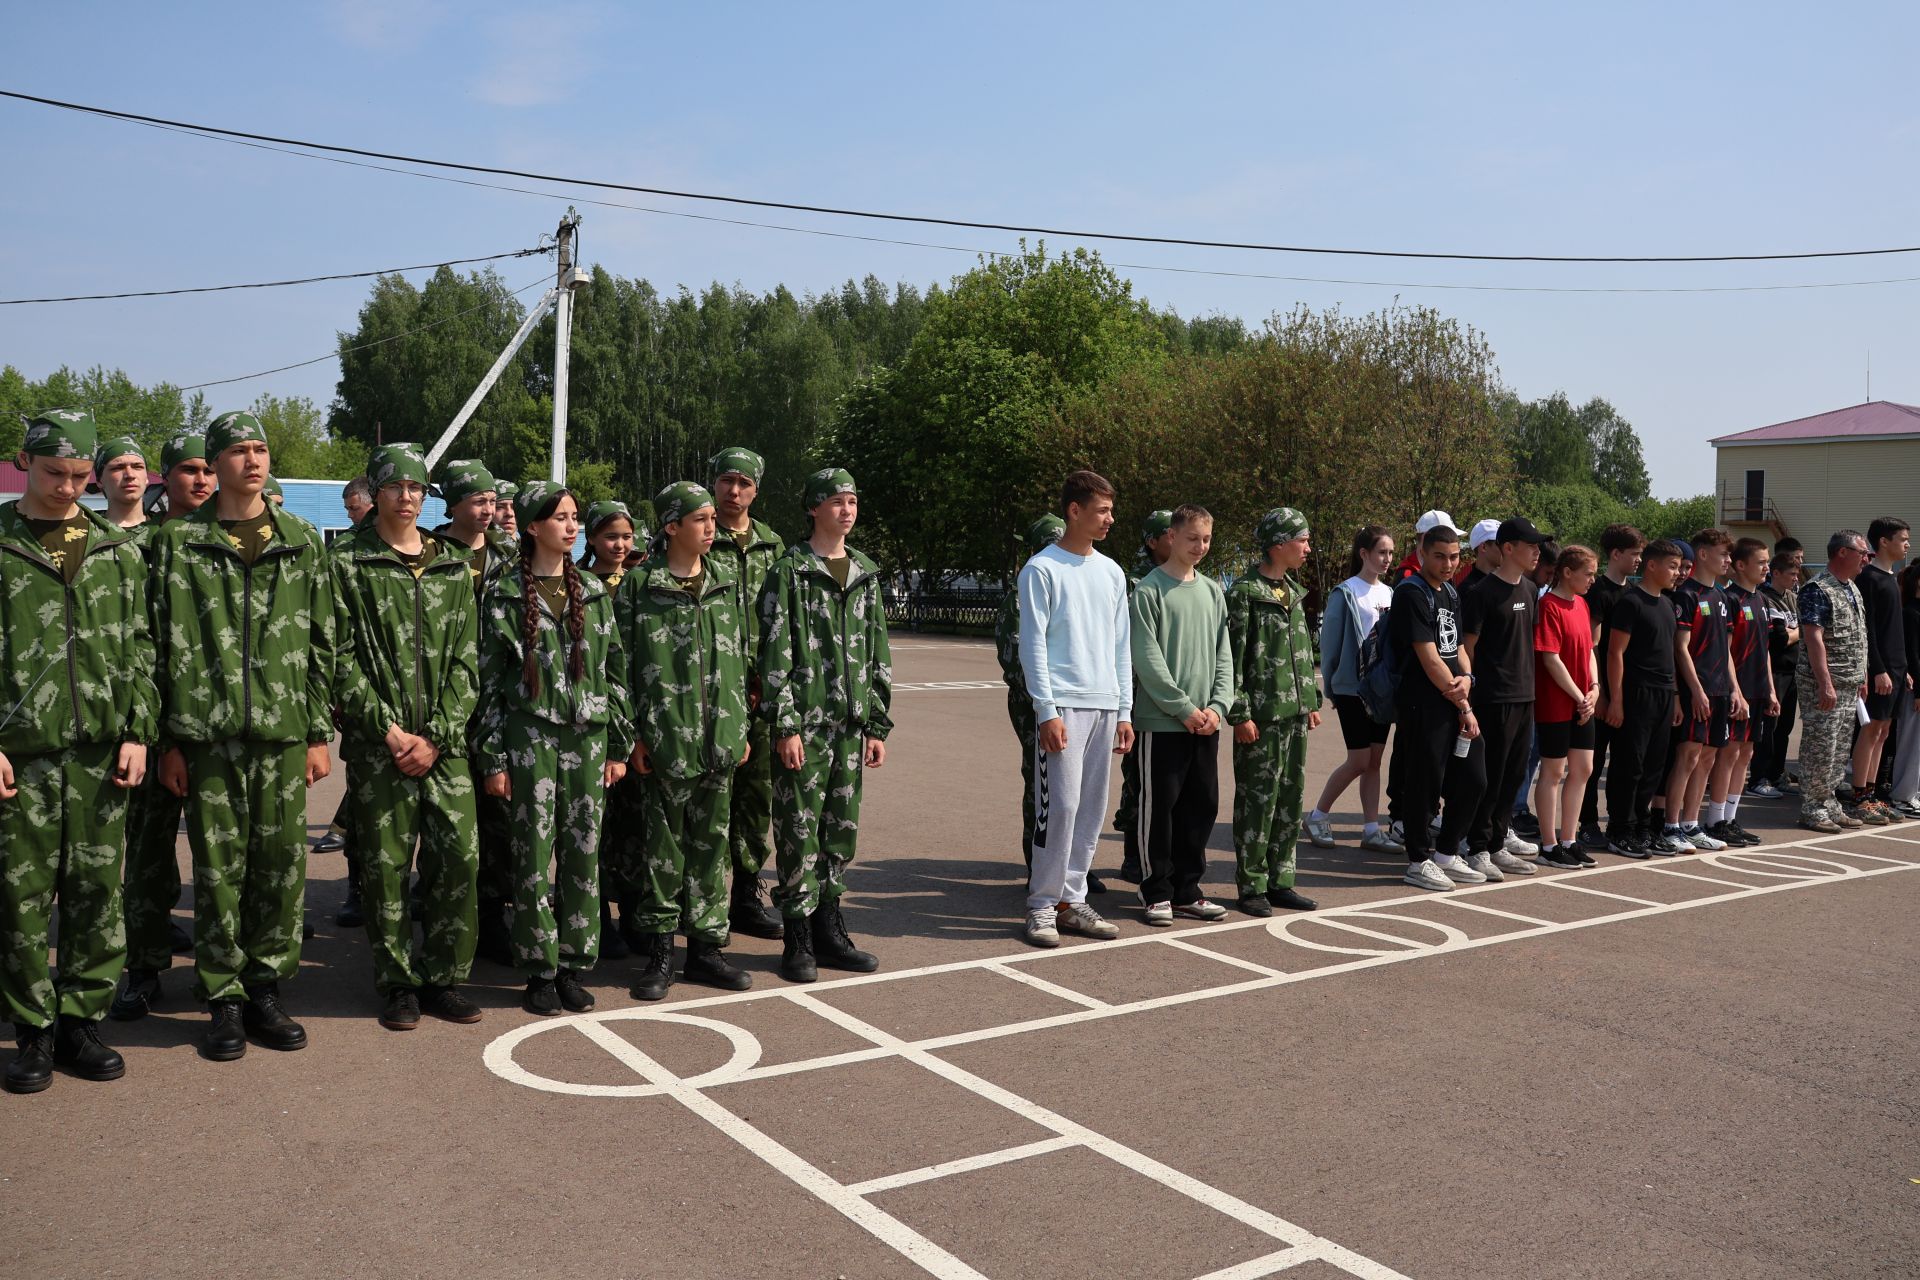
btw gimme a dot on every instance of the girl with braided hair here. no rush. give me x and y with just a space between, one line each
555 733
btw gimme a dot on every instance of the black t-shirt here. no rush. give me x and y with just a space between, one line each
1422 615
1886 639
1750 627
1783 611
1647 621
1700 610
1600 601
1501 615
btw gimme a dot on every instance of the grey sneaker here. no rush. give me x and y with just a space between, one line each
1511 865
1669 843
1380 841
1041 930
1698 837
1519 848
1159 914
1483 863
1427 875
1457 869
1320 832
1201 910
1078 917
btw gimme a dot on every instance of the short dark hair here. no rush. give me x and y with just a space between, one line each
1081 486
1663 549
1621 537
1843 539
1549 554
360 485
1437 535
1187 512
1746 549
1885 527
1787 546
1909 580
1711 537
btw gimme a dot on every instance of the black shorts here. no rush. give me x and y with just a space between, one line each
1885 706
1562 736
1712 731
1358 729
1757 728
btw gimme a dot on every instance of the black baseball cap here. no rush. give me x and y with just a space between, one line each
1520 529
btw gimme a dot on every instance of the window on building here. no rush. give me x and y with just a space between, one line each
1756 495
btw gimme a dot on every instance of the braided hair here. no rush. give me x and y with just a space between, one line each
576 620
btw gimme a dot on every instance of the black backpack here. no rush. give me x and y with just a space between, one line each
1380 668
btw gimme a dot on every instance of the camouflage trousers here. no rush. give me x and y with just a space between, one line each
247 827
392 814
1020 712
1269 783
151 885
623 840
494 829
816 820
555 809
1826 744
684 881
62 835
749 828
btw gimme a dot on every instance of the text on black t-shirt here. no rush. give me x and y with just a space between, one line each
1501 616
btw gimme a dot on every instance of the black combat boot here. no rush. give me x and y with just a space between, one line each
32 1067
796 960
832 948
77 1047
227 1036
576 998
137 996
350 915
542 997
1290 900
657 976
707 963
268 1023
748 911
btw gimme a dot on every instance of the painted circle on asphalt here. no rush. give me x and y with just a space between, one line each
1284 929
499 1055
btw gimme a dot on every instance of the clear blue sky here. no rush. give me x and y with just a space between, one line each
1624 129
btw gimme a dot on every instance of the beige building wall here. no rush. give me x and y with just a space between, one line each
1819 487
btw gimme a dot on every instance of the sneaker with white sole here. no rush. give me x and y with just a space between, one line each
1320 831
1379 841
1426 874
1519 848
1765 790
1201 910
1041 927
1668 843
1456 868
1483 863
1159 914
1078 917
1699 839
1511 865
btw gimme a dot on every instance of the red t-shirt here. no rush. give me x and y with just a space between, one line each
1564 628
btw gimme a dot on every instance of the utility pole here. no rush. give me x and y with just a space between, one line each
568 278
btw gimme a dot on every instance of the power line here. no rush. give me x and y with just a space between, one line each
362 346
930 220
1001 253
270 284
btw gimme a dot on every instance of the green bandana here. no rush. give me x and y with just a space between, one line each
1282 524
822 485
744 462
61 433
391 464
1156 523
464 477
505 490
678 501
112 450
1044 532
604 510
230 429
272 489
533 497
184 446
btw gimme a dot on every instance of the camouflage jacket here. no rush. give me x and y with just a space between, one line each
1006 641
505 555
409 647
749 568
598 704
686 668
76 661
246 651
1273 662
824 659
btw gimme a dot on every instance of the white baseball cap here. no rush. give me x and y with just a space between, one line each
1433 520
1484 532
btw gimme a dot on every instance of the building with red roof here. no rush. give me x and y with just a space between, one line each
1811 476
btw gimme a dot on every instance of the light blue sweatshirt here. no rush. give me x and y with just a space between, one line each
1075 644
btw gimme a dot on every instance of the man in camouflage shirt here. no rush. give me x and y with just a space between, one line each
76 713
1006 642
243 608
826 675
1275 702
1832 678
745 549
1156 534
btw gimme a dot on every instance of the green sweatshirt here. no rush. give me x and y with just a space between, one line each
1182 653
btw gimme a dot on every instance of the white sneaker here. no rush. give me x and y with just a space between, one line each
1426 875
1519 848
1381 842
1201 910
1483 863
1078 917
1511 865
1159 914
1456 868
1320 831
1699 839
1040 927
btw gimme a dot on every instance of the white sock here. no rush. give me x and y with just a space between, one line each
1317 815
1732 806
1716 813
1370 829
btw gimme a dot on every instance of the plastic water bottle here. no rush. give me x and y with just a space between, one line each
1462 745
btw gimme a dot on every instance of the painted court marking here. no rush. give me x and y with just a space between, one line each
1785 867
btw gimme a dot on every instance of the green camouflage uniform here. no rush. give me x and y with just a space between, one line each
409 657
623 823
1125 821
1274 687
553 746
826 675
246 672
749 831
76 663
1006 642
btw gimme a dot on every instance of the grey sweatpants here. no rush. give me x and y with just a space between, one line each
1069 807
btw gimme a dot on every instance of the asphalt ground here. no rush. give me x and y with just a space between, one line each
1701 1067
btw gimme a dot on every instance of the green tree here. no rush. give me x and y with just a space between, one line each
298 442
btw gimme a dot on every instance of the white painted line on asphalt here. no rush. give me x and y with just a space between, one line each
1879 835
1266 1265
1006 1155
1492 911
1181 944
1051 988
1874 857
1688 875
1600 893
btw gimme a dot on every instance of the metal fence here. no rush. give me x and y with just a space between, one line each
953 610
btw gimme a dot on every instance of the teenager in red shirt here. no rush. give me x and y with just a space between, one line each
1565 700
